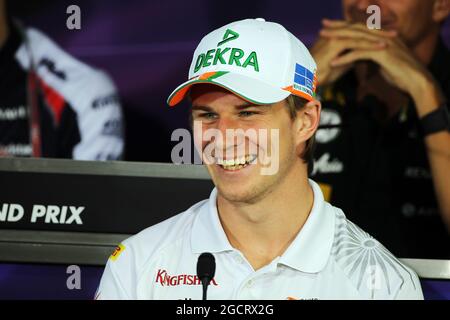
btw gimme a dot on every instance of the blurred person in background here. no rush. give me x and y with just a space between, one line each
385 157
51 104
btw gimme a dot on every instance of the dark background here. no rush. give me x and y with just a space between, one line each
147 45
106 200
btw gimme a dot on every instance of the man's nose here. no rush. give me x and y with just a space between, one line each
227 123
230 132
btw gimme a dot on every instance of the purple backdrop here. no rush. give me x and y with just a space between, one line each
146 46
32 281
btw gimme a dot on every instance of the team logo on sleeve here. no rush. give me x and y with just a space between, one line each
117 252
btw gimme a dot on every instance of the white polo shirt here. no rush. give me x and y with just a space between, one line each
330 258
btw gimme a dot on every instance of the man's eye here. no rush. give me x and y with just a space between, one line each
208 115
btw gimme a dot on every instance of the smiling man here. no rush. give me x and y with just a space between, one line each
387 164
273 235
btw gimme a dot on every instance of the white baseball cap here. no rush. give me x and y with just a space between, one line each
257 60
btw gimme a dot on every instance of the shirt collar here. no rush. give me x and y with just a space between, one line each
309 252
311 248
207 231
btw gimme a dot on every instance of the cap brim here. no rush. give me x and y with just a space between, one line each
247 88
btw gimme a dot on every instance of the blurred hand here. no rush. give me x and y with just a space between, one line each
398 66
348 38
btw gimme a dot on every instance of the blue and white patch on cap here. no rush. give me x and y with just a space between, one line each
304 80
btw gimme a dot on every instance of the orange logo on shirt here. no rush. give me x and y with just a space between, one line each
119 249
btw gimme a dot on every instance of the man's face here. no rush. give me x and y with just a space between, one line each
411 18
220 110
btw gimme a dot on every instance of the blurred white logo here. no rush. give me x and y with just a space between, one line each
324 165
328 117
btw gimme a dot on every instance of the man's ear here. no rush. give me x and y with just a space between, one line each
307 120
441 10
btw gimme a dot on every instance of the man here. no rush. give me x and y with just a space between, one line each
52 105
387 160
272 234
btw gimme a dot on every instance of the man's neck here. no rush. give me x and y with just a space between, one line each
264 230
425 48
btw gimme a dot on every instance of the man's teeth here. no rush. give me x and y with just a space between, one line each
235 164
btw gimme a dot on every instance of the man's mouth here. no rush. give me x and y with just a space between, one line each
237 163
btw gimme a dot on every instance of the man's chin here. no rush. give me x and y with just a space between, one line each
233 195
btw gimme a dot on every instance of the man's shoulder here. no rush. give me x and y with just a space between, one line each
166 235
62 71
371 269
139 253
